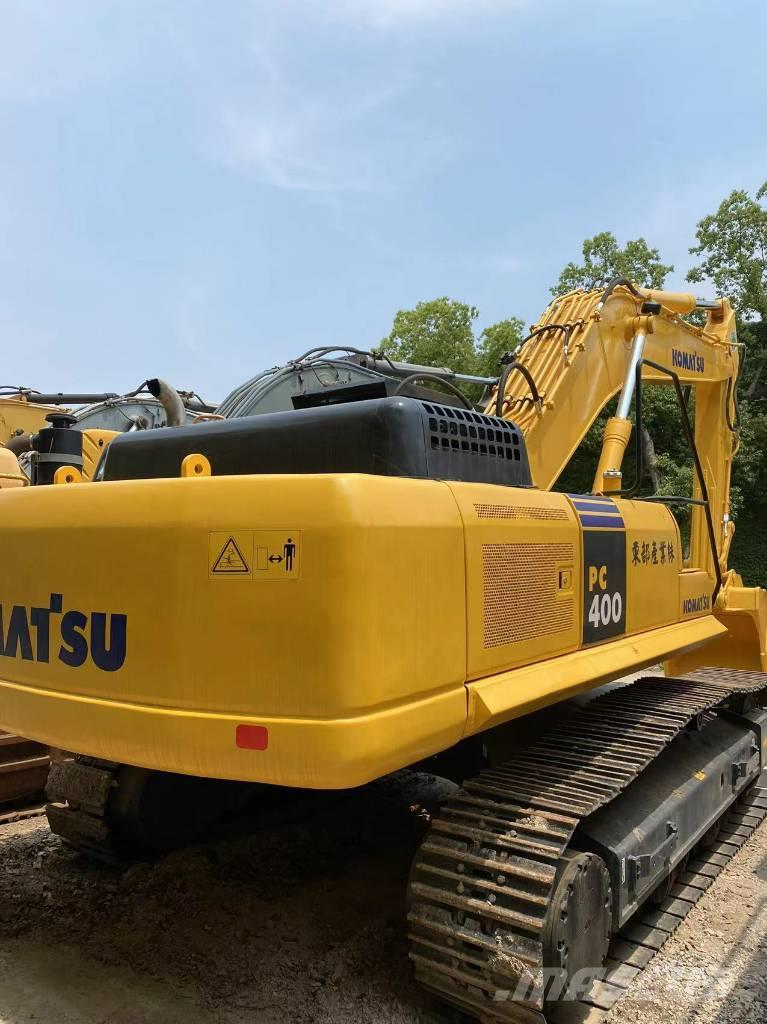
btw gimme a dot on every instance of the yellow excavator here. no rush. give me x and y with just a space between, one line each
24 412
316 598
24 764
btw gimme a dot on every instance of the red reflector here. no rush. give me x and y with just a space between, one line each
252 737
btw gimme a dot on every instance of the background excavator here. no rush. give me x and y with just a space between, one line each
376 580
24 764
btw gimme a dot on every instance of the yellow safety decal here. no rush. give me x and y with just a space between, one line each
266 555
231 559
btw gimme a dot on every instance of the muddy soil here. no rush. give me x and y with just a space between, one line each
303 923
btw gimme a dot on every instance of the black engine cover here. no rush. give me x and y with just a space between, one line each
399 436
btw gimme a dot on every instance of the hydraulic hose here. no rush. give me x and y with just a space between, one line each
501 393
616 283
433 376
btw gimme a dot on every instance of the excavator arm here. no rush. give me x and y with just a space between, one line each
589 347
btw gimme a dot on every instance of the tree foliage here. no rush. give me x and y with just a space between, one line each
749 468
603 259
435 333
440 332
494 342
732 244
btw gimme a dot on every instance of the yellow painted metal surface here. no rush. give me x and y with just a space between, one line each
323 630
654 563
516 693
320 753
377 616
519 546
195 465
365 622
11 475
743 611
67 475
579 363
19 416
95 443
375 622
579 356
616 439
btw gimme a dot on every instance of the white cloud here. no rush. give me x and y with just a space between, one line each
307 144
353 138
348 134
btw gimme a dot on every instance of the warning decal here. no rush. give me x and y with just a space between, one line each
230 560
266 555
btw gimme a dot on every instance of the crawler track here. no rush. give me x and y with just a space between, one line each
117 812
23 770
637 944
483 878
79 793
21 813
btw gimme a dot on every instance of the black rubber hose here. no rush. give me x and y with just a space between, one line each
441 380
732 394
322 352
78 398
616 283
689 434
501 393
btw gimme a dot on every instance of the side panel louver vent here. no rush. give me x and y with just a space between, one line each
520 592
520 512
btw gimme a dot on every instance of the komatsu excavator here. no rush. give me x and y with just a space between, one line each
24 764
319 597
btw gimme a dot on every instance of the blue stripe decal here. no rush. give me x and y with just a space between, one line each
590 497
593 506
603 522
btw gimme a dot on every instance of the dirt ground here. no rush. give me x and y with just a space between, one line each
303 923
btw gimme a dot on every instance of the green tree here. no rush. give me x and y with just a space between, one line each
603 259
441 333
494 342
749 468
749 495
435 333
732 244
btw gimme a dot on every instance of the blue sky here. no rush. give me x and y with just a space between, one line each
199 191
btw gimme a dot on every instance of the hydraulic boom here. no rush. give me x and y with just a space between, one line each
589 347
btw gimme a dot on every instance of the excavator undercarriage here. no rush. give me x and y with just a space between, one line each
548 882
23 772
